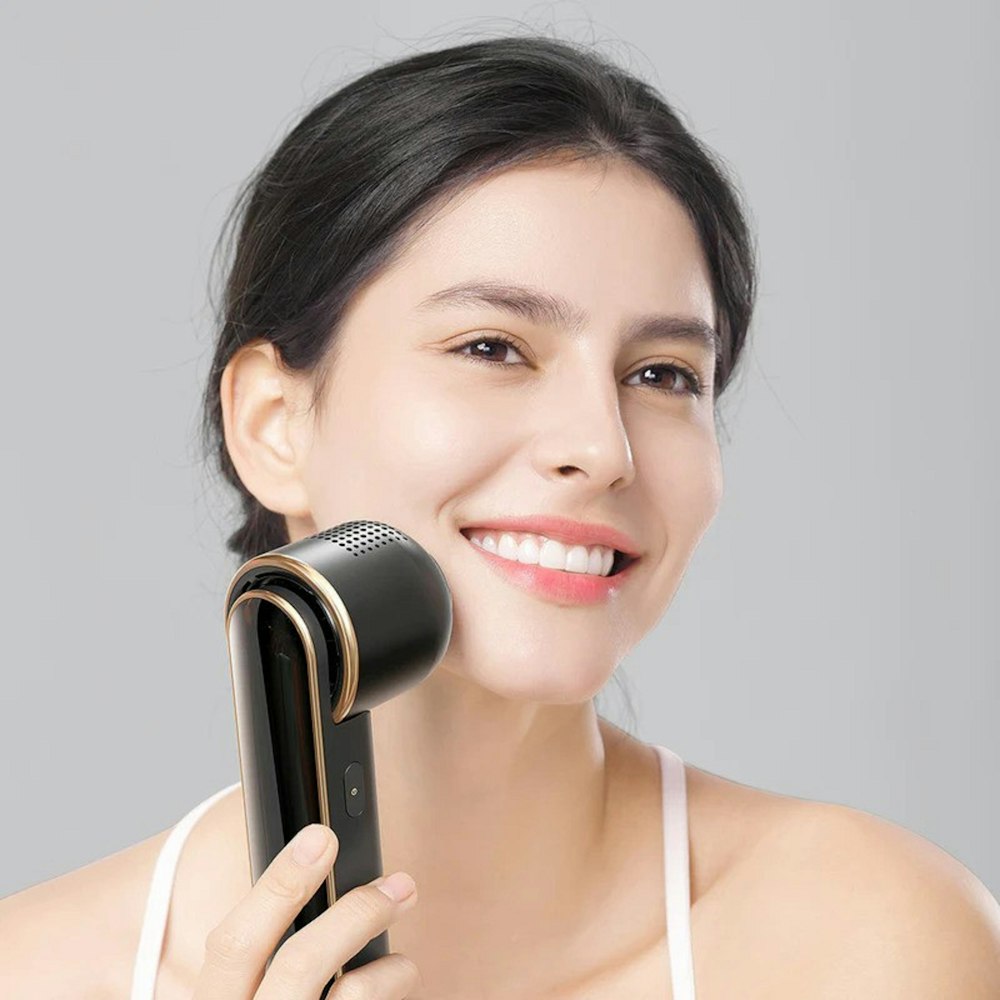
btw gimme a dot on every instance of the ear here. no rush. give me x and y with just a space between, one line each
267 430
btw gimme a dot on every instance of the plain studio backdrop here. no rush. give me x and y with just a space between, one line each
835 635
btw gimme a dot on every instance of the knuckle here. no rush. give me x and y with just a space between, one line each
394 971
409 968
368 903
353 987
293 963
228 946
284 883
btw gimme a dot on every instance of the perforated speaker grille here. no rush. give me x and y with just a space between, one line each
361 537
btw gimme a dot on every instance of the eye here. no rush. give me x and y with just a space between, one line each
691 379
496 339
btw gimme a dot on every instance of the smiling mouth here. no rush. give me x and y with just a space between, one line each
620 561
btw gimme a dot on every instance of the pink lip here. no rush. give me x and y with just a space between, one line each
563 529
556 584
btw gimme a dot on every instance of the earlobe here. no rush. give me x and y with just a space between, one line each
261 404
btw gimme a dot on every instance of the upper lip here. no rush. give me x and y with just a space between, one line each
564 529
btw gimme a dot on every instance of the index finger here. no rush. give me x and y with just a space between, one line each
237 949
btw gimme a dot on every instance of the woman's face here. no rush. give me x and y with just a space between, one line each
417 430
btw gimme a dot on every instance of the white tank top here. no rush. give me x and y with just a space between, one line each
676 876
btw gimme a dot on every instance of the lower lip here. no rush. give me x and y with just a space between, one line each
556 584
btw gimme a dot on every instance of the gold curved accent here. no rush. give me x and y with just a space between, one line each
314 708
335 606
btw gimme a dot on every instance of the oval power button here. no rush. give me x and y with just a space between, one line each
354 789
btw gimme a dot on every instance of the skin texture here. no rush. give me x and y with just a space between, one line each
533 828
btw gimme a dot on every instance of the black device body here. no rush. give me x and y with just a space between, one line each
319 632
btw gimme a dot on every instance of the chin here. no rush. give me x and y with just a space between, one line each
538 679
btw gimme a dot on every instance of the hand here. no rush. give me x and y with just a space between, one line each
237 949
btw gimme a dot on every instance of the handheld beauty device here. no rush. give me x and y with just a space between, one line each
319 632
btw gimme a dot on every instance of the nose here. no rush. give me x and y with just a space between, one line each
580 432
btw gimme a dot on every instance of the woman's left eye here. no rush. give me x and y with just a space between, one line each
690 377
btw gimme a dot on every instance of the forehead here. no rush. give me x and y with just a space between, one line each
606 236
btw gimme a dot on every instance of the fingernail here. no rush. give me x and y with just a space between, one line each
398 886
310 843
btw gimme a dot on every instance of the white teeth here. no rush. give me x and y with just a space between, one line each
539 550
527 551
507 548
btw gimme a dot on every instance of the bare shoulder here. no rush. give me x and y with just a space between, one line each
830 901
68 936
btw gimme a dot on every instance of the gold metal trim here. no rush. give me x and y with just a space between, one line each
335 606
315 711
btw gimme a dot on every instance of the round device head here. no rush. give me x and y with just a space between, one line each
378 601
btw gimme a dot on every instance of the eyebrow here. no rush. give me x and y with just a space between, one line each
544 307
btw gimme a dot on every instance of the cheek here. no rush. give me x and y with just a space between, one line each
698 495
680 469
395 451
699 487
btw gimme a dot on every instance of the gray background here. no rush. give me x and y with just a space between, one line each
834 637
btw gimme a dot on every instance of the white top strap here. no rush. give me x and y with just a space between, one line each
676 865
154 923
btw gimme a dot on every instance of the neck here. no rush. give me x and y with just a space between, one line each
480 793
501 811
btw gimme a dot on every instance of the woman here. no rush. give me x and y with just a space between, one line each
492 295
